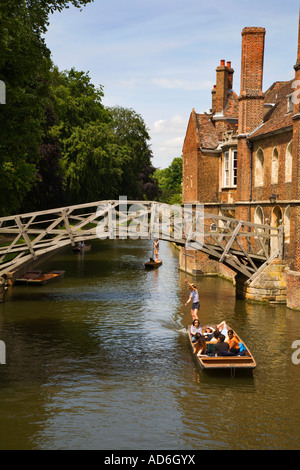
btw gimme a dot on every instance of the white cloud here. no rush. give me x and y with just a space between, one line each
167 136
187 85
172 144
160 58
174 125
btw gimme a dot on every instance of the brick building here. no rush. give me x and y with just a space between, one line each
245 150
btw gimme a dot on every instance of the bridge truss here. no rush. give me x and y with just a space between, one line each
243 246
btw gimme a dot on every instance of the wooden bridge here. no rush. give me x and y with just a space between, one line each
243 246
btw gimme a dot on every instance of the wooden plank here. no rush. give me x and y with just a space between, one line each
230 242
262 267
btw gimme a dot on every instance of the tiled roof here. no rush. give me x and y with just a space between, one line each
231 109
277 117
207 133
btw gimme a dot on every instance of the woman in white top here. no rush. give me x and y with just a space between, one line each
194 296
223 329
195 328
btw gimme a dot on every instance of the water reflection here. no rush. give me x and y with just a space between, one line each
100 360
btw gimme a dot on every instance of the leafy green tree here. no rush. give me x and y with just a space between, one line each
47 191
92 159
131 131
170 182
24 68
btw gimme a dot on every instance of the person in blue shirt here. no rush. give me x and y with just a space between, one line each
194 297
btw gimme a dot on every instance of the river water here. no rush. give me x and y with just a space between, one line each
100 360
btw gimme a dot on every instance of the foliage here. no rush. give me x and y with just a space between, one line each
170 182
92 160
59 144
131 131
24 68
47 191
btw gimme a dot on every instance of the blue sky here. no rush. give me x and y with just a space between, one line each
159 57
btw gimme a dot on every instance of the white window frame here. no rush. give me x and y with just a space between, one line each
229 169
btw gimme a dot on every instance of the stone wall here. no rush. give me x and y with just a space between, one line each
293 289
269 286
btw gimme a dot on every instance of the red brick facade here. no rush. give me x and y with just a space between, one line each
247 149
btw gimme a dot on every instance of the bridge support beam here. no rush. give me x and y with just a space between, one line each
268 286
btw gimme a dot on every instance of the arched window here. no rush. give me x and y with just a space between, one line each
276 220
259 167
259 217
276 216
286 222
274 172
288 162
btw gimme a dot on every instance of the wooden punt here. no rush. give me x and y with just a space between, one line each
46 278
27 276
153 264
78 249
224 362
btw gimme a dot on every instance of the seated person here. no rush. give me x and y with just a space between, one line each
222 348
215 336
223 329
208 333
199 345
233 342
195 328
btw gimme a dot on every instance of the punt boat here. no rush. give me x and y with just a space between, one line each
213 362
46 278
27 276
152 264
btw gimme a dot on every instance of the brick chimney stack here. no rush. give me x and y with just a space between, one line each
297 76
230 76
251 96
213 99
251 106
223 84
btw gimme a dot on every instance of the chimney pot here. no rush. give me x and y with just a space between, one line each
229 64
222 62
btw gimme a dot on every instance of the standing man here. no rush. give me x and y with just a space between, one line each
155 249
194 297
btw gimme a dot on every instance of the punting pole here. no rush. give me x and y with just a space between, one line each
185 286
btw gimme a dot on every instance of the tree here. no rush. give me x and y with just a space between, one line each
93 160
24 68
131 131
170 182
47 191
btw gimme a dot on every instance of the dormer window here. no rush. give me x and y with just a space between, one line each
290 103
